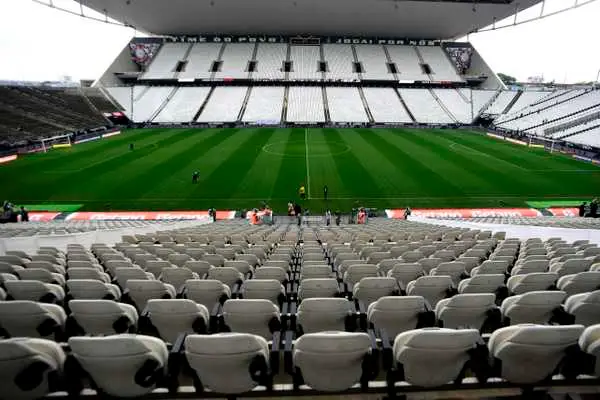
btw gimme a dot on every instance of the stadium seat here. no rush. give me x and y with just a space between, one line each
229 363
91 289
142 290
536 307
490 267
173 317
228 275
467 310
397 314
207 292
271 272
572 266
125 274
42 275
454 270
101 317
24 318
404 273
585 307
528 353
268 289
519 284
481 283
125 365
579 282
332 361
88 273
255 316
318 287
432 357
30 368
34 291
589 342
177 276
432 288
325 314
370 289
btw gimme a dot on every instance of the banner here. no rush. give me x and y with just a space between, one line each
146 215
107 135
6 159
466 212
564 212
42 216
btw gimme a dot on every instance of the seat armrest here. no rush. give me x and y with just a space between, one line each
288 364
387 353
362 314
274 354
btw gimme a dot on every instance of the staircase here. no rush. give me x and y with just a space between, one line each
244 104
421 60
512 102
203 106
164 103
365 104
389 59
325 104
219 58
355 56
285 104
410 114
443 106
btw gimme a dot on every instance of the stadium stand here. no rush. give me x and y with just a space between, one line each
502 102
457 104
372 329
345 105
339 58
150 101
439 63
235 58
305 104
183 105
305 63
385 106
424 106
224 104
373 61
165 62
407 63
200 61
265 105
269 61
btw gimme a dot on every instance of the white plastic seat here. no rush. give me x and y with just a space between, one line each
198 266
572 266
42 275
585 307
156 266
589 342
207 292
124 365
580 282
91 289
268 272
318 287
256 316
454 270
532 307
177 276
490 267
519 284
530 353
43 264
404 273
316 271
103 317
34 291
142 290
216 260
434 356
88 273
125 274
228 275
370 289
241 265
268 289
84 264
179 259
173 317
529 267
481 283
26 365
356 272
396 314
14 260
432 288
465 310
222 361
26 318
324 314
429 263
331 361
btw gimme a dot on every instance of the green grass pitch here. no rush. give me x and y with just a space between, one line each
239 168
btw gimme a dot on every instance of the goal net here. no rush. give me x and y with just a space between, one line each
56 142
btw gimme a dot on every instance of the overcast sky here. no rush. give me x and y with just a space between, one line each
38 43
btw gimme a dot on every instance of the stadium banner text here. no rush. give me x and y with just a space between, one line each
481 212
286 39
146 215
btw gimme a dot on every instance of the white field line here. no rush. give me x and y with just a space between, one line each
307 163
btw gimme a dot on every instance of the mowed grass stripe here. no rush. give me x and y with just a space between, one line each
260 177
352 173
422 162
466 165
231 162
291 172
129 175
323 169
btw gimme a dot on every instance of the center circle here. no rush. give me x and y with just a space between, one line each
299 149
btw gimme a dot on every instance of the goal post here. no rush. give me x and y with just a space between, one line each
54 142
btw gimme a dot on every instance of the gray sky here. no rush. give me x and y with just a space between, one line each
38 43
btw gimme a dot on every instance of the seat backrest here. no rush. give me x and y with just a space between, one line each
481 283
115 362
271 272
465 310
223 360
228 275
324 314
103 317
580 282
26 364
315 271
355 273
24 318
268 289
432 288
173 317
177 276
33 290
370 289
532 307
207 292
519 284
585 307
434 356
331 361
318 287
396 314
250 316
92 289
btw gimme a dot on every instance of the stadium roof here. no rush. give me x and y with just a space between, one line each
422 19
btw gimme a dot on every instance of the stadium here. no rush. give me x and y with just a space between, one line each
298 198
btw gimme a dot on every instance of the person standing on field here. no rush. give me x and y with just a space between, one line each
325 192
195 177
302 192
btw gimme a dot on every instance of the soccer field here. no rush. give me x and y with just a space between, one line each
239 168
